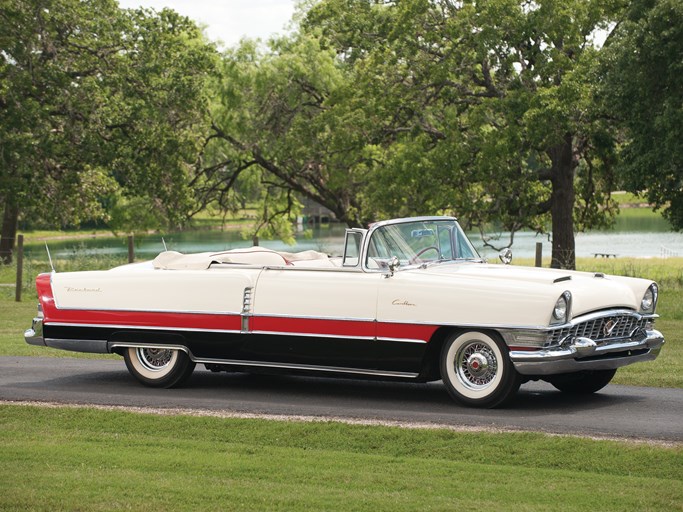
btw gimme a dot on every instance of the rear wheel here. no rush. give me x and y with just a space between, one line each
477 371
158 367
583 382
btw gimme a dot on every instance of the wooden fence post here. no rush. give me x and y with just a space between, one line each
539 254
20 268
131 249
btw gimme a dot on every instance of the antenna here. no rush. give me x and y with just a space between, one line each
49 257
164 242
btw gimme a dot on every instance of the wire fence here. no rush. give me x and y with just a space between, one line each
665 252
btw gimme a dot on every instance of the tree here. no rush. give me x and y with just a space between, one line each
97 103
501 94
484 109
642 67
288 117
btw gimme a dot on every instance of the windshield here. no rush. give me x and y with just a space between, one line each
417 242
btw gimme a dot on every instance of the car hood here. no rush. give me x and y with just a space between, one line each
590 291
508 272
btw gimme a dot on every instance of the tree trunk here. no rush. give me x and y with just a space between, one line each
562 207
8 232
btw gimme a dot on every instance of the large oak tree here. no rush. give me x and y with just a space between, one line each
484 109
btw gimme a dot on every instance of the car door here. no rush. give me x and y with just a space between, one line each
327 320
318 318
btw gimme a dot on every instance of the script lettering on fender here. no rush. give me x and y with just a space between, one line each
401 302
83 290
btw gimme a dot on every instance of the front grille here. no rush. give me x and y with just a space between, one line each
604 329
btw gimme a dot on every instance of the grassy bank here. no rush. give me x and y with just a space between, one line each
82 459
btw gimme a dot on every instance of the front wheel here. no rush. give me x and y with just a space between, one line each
583 382
477 371
158 367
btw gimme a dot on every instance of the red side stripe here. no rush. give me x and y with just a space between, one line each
339 328
228 322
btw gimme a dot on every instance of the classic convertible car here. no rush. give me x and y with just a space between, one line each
408 299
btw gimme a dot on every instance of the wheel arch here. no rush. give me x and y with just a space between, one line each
477 370
430 369
119 341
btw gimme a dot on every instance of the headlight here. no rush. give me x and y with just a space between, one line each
562 310
649 302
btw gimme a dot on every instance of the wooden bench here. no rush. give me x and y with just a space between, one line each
604 255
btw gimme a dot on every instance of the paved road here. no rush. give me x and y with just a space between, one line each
617 411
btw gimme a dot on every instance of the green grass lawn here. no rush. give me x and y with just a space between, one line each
90 460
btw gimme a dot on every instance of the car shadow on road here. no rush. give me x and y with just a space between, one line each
297 394
532 398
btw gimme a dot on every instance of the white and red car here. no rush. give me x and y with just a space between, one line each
409 299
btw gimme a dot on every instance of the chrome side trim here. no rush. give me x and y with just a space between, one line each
162 346
87 346
268 364
403 340
338 336
311 317
303 367
144 327
122 310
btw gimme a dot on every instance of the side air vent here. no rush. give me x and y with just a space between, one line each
246 308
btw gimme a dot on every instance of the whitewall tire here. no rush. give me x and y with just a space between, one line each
476 369
158 367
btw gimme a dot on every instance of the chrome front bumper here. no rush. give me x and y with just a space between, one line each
581 353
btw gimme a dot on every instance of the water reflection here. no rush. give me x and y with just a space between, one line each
630 237
627 221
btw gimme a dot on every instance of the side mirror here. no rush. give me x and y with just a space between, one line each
505 256
393 265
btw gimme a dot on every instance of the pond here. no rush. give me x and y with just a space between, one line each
632 236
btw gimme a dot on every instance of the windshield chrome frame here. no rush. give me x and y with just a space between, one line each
373 227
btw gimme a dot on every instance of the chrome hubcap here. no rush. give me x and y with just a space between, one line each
154 359
476 365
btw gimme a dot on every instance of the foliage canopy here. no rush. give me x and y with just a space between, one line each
643 65
98 104
506 113
484 109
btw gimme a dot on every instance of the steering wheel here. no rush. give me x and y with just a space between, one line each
414 259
